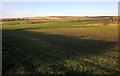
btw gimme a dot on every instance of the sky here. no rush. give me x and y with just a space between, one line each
31 9
59 0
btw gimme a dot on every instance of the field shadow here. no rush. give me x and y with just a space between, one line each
32 52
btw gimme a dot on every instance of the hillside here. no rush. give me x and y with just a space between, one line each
97 20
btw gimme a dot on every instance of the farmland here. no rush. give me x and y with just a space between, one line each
64 46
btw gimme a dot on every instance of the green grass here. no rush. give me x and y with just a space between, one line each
58 24
109 33
42 25
60 48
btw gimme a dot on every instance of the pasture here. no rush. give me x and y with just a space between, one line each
65 47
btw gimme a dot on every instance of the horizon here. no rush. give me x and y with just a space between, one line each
51 16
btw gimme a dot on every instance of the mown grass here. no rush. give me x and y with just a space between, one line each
60 48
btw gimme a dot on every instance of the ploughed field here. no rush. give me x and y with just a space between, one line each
67 47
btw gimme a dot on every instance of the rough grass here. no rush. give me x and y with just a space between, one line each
109 33
60 48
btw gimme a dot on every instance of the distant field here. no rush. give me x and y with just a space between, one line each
66 47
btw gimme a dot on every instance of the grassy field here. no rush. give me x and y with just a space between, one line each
68 47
